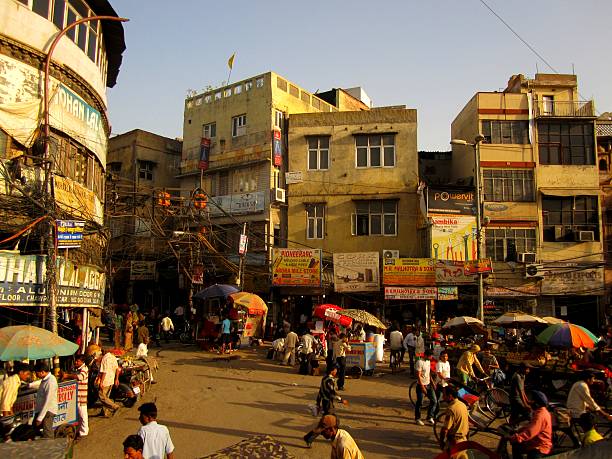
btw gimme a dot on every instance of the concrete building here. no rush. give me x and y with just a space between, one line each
234 148
141 167
604 153
355 192
540 187
85 62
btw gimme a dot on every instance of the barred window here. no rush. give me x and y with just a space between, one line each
508 185
505 132
318 153
375 218
503 244
315 221
566 143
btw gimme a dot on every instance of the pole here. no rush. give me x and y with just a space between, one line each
478 227
241 265
48 169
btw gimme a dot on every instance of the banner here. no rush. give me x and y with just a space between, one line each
452 272
66 412
237 204
77 200
411 293
277 148
511 292
142 270
197 276
409 271
448 293
296 267
69 233
23 281
484 265
356 272
452 238
448 201
572 278
204 154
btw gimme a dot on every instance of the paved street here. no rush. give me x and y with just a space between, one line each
209 405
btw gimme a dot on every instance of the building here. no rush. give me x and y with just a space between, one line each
234 149
604 152
540 190
71 190
352 182
142 168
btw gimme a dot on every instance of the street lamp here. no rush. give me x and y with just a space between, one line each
476 146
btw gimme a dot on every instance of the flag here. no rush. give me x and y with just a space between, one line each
230 61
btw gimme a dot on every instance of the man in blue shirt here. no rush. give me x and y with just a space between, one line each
225 335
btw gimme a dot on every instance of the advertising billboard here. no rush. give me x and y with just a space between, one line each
356 272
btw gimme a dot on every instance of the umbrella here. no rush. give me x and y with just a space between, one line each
27 342
567 335
216 290
553 320
464 325
253 303
321 310
364 317
518 320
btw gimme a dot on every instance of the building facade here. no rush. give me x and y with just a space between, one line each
604 156
85 62
540 192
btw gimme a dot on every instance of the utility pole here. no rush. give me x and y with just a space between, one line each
242 250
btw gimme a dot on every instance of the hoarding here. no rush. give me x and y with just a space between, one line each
66 412
69 233
296 267
484 265
142 270
409 271
77 200
453 238
572 278
411 293
452 272
448 293
356 272
450 201
236 204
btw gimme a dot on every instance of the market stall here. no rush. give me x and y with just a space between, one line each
253 314
362 357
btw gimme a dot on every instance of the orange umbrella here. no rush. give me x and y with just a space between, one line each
251 302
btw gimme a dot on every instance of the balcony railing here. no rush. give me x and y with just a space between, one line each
564 109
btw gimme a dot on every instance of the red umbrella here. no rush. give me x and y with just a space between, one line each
330 312
319 311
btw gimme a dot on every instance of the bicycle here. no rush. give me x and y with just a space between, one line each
394 361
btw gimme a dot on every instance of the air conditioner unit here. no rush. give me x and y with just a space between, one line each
527 257
386 253
584 236
533 270
559 232
278 195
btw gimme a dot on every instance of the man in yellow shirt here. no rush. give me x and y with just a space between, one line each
456 425
343 445
466 363
10 387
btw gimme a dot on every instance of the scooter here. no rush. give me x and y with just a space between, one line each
126 393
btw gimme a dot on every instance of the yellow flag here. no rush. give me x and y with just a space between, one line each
230 61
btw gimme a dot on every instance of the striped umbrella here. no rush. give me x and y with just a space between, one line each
567 335
251 302
364 317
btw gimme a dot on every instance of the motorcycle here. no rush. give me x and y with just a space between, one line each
126 393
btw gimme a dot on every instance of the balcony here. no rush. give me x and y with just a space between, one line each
564 109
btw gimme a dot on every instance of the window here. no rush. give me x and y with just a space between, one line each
279 119
218 95
375 218
248 85
566 143
227 92
259 82
505 132
209 130
41 7
238 89
114 167
503 244
548 105
239 125
508 185
318 153
315 221
145 170
564 217
375 150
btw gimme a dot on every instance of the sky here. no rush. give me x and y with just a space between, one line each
431 55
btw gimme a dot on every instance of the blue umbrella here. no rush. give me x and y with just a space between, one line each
27 342
216 290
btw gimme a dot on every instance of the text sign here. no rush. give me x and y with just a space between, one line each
66 404
69 233
411 293
449 201
296 267
356 272
409 271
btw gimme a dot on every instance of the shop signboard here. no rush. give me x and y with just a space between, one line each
69 233
296 267
512 291
452 272
236 204
77 200
450 201
356 272
448 293
277 147
453 237
411 293
572 279
293 177
23 282
484 265
66 412
409 271
142 270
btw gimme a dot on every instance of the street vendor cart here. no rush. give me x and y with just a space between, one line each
254 311
361 359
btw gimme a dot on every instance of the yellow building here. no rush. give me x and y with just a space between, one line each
353 179
540 194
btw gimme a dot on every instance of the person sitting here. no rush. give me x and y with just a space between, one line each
535 439
519 403
587 423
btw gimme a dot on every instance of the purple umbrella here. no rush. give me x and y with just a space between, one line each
216 290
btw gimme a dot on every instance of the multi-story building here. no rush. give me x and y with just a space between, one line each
235 148
85 62
142 168
353 190
604 156
540 191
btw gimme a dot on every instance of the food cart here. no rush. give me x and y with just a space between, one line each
361 359
253 311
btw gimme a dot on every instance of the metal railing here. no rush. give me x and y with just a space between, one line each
564 109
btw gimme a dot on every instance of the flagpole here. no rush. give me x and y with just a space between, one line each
230 64
228 77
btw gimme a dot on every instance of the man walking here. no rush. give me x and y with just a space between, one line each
81 374
107 378
343 444
290 344
519 403
156 437
409 344
456 425
396 340
46 400
166 326
425 387
341 347
226 329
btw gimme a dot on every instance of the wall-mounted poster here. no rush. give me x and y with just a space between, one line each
409 271
296 267
356 272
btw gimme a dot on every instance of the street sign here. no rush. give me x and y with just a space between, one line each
69 233
244 241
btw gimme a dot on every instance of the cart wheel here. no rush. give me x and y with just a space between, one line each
369 373
65 431
356 372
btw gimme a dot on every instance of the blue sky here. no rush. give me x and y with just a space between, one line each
432 55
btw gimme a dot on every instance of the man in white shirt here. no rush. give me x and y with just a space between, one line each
425 387
579 399
156 437
419 343
443 373
166 326
290 344
409 345
46 400
396 341
108 377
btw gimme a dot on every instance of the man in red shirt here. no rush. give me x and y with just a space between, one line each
535 439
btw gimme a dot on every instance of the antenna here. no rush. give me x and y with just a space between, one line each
573 69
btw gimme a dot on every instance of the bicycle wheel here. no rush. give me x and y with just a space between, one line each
394 363
438 425
413 396
497 401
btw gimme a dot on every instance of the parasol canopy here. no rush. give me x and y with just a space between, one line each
567 335
331 312
518 320
253 303
216 290
553 320
464 325
321 309
364 317
21 342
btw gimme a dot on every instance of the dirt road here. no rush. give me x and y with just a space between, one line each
209 405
